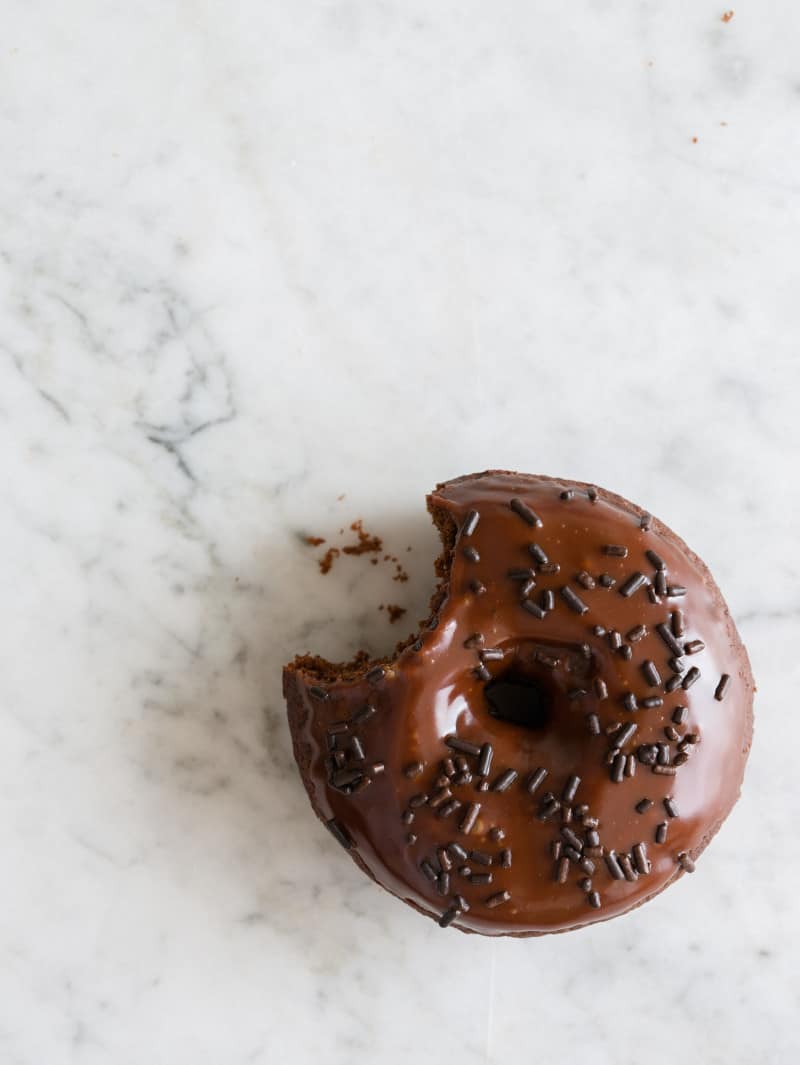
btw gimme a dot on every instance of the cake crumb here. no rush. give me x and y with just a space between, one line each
727 16
694 140
315 541
366 543
326 561
395 612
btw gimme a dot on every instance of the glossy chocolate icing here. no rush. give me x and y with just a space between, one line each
436 687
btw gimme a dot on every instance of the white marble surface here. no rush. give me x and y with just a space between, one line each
253 257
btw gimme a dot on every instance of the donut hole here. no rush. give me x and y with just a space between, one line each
520 699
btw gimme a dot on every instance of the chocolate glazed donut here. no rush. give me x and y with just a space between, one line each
563 738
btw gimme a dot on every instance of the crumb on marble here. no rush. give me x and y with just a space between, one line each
327 559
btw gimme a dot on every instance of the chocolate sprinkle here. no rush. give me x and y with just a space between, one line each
722 687
474 641
566 495
363 714
457 852
678 623
685 862
533 608
455 744
449 808
666 635
427 870
660 583
670 806
570 788
443 883
525 512
615 550
625 734
471 554
600 688
690 678
675 591
339 833
679 714
627 868
614 640
481 878
539 554
469 818
548 600
461 903
607 580
651 674
375 675
505 780
586 580
562 870
498 899
644 521
629 701
661 832
652 701
449 916
618 768
593 724
413 769
632 584
613 866
591 493
594 900
573 600
481 857
673 683
505 859
477 587
643 805
535 779
470 523
640 859
573 840
318 693
485 760
636 634
520 574
482 673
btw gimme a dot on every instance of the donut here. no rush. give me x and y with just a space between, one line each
562 738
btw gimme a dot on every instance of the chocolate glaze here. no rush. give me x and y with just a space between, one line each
436 687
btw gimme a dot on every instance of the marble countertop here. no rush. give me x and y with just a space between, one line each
267 269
